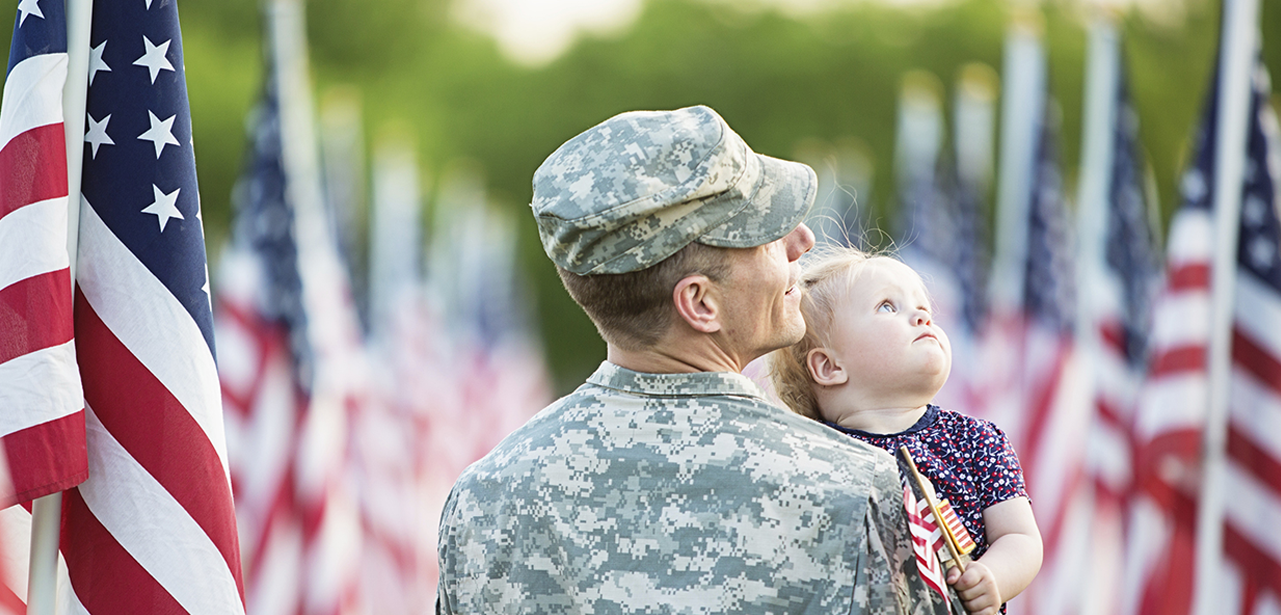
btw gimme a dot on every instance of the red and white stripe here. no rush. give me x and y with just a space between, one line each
1110 449
1170 415
42 419
956 528
1251 543
1034 395
156 447
927 539
263 409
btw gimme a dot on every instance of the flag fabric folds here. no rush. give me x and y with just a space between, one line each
292 358
927 539
153 528
1035 397
1171 411
261 328
1121 300
41 404
1172 414
1251 547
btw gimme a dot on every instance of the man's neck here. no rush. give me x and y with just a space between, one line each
667 360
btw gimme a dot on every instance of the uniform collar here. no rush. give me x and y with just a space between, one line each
611 376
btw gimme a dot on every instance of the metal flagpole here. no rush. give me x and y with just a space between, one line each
46 512
1022 103
1097 160
1102 70
1238 46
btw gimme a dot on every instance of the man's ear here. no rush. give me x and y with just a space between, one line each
824 368
696 303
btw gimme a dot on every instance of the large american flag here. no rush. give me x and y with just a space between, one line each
152 529
1172 415
41 403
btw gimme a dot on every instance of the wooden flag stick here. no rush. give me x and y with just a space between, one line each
959 558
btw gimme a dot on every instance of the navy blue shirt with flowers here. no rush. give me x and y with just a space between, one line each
969 461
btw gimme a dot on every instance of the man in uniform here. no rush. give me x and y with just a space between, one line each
668 483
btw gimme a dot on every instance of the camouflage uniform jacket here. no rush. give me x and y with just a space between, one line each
678 493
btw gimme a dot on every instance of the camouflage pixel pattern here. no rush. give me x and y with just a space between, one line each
683 494
634 189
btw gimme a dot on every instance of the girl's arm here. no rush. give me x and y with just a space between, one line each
1010 563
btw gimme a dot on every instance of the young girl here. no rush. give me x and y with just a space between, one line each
870 364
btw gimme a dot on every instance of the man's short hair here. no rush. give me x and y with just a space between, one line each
633 310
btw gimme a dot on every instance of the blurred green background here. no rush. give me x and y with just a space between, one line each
779 78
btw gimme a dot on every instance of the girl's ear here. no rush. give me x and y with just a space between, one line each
824 368
696 303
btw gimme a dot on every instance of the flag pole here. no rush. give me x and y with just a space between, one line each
1099 110
46 512
1022 102
1238 46
1102 71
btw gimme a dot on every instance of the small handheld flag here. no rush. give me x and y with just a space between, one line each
956 542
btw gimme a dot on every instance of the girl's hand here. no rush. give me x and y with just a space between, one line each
977 588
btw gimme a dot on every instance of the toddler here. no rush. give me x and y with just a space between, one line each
870 363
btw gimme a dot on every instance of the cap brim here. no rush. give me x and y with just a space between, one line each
782 198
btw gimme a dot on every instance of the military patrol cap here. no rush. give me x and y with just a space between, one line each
636 188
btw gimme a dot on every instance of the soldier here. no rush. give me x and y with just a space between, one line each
668 483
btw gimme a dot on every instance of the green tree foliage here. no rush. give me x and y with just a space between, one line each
779 81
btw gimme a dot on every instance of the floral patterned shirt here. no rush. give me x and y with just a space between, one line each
970 462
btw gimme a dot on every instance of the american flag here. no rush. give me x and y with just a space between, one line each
43 419
1037 403
390 433
291 355
943 221
152 529
1171 408
265 369
1251 544
927 539
1122 304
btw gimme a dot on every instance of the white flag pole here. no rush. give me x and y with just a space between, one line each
1102 79
46 512
1022 104
1238 46
1097 154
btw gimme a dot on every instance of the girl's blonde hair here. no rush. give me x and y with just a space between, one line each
826 274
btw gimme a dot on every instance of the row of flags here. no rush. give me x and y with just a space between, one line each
138 398
339 444
1095 354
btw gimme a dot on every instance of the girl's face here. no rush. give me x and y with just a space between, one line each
885 337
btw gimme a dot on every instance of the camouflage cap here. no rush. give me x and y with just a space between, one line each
638 187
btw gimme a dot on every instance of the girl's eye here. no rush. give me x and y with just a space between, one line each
886 307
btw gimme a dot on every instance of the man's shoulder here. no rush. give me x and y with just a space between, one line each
599 421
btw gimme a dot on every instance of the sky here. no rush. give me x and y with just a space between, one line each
535 32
